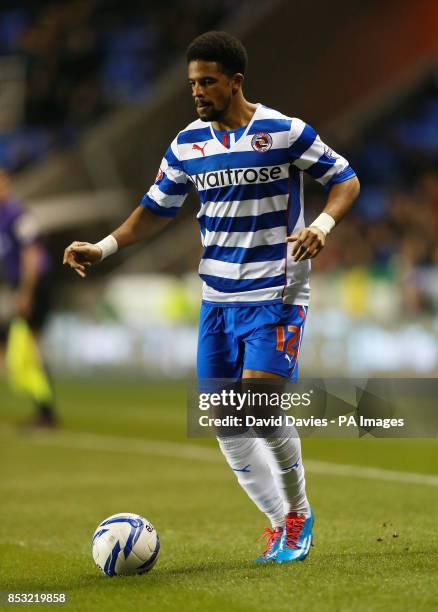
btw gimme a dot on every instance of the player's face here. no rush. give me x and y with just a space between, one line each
212 90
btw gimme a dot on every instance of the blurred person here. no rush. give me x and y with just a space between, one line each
246 161
25 265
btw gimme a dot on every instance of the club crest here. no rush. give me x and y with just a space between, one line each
261 142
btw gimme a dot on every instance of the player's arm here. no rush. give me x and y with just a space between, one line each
309 241
330 169
158 206
140 225
30 259
27 233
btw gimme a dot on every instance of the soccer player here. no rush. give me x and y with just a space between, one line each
25 265
246 161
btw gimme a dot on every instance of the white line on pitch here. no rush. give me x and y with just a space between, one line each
124 445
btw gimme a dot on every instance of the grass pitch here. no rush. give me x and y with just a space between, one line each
123 447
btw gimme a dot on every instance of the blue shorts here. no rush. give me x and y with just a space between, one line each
265 338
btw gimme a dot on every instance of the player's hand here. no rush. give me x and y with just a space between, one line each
309 241
81 255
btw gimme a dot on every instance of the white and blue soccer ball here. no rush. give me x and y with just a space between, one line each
125 544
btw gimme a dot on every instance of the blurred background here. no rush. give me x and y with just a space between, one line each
91 94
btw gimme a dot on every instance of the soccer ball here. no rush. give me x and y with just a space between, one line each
125 544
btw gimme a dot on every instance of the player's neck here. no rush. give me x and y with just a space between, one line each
239 114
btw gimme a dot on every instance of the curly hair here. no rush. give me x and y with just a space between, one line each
219 47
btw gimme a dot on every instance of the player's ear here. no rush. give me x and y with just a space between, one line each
237 81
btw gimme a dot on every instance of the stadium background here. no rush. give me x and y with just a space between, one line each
91 94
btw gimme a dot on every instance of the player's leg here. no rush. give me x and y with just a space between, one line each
220 357
271 351
44 401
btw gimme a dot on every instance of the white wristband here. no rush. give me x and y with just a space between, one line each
108 246
324 222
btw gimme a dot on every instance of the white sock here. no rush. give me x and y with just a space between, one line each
248 459
287 467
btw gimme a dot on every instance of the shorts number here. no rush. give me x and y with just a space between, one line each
291 345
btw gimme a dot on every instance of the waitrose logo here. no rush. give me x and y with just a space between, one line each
236 176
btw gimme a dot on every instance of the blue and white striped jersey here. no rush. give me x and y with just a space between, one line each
251 197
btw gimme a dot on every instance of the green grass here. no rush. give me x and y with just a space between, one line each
53 494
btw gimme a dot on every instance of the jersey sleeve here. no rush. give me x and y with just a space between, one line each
171 186
309 153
